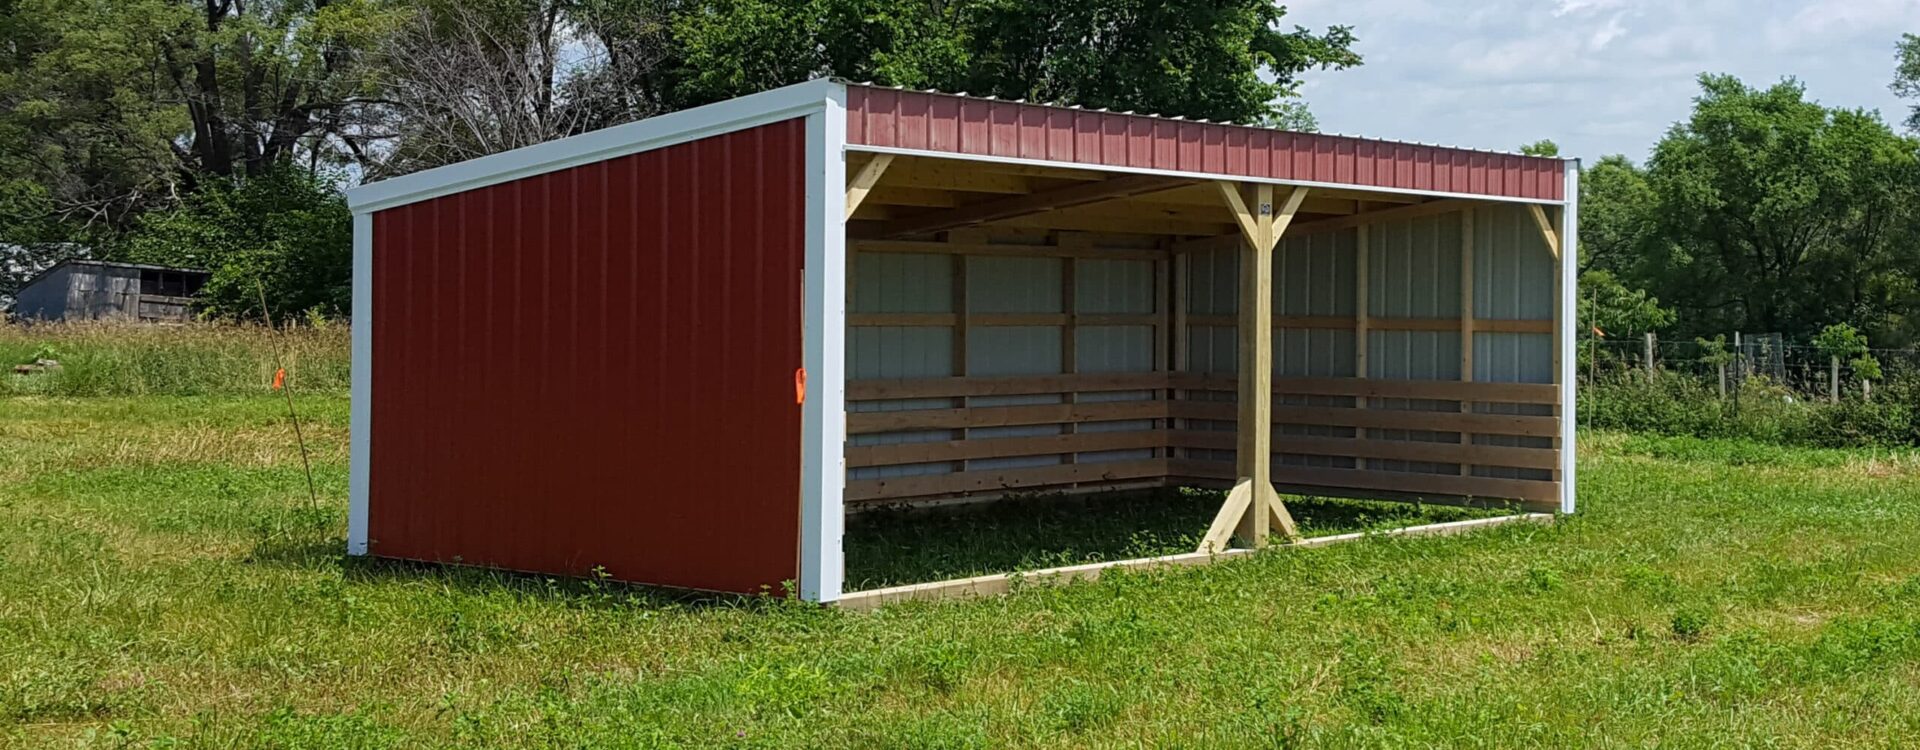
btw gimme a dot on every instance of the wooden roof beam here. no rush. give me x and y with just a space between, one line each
1031 203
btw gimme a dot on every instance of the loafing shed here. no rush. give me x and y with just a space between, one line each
681 350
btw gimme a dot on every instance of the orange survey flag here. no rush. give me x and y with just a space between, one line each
1598 332
800 386
279 378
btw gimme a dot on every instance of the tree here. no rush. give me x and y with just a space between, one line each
110 110
1906 77
1615 310
469 79
1224 60
288 230
1618 212
1775 212
1541 148
1841 341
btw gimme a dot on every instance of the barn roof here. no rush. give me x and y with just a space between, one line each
883 118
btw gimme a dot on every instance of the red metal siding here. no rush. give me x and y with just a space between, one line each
594 367
987 127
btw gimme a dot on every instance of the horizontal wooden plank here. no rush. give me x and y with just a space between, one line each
1500 325
1380 419
1017 251
1437 390
1397 450
861 423
1383 481
870 390
962 450
1002 479
1344 323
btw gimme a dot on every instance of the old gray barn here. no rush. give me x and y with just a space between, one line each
92 289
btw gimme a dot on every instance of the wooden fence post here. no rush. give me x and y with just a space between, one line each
1649 354
1833 381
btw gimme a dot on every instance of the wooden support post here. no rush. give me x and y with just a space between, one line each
1647 353
1182 337
1466 320
1362 322
1069 335
862 181
970 236
1262 224
1253 459
1833 383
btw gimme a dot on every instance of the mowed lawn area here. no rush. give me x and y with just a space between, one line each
164 582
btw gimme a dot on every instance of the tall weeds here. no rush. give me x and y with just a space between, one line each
125 359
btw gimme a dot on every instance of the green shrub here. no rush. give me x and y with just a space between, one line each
1679 405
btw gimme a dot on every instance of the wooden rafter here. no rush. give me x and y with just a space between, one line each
1031 203
862 182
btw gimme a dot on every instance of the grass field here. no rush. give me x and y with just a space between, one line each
165 583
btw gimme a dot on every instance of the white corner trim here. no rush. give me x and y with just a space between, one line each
1570 325
1191 175
745 112
823 418
360 410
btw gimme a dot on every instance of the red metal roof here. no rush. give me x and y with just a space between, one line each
885 117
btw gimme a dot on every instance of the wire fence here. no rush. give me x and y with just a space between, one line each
1801 369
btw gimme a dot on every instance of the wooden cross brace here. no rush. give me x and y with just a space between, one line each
1253 510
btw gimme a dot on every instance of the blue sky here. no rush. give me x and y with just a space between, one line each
1597 76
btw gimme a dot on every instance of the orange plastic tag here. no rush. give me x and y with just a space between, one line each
279 378
800 386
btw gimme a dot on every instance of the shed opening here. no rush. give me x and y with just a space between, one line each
1021 329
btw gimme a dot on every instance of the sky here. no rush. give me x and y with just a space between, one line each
1597 76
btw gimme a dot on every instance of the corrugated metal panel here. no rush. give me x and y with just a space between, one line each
1514 279
1013 350
565 363
1102 349
1120 287
965 125
902 283
1414 268
1014 285
899 352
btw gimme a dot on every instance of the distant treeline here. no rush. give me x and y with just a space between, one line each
1762 212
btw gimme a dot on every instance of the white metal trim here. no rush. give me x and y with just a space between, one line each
1193 175
360 409
823 417
645 135
1569 326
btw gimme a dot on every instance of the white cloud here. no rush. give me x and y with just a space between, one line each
1599 76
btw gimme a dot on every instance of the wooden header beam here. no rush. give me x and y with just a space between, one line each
1031 203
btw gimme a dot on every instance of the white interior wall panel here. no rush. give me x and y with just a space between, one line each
1514 279
904 283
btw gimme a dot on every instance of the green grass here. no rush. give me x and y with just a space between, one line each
165 583
890 547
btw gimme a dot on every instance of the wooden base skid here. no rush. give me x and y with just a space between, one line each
1001 583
